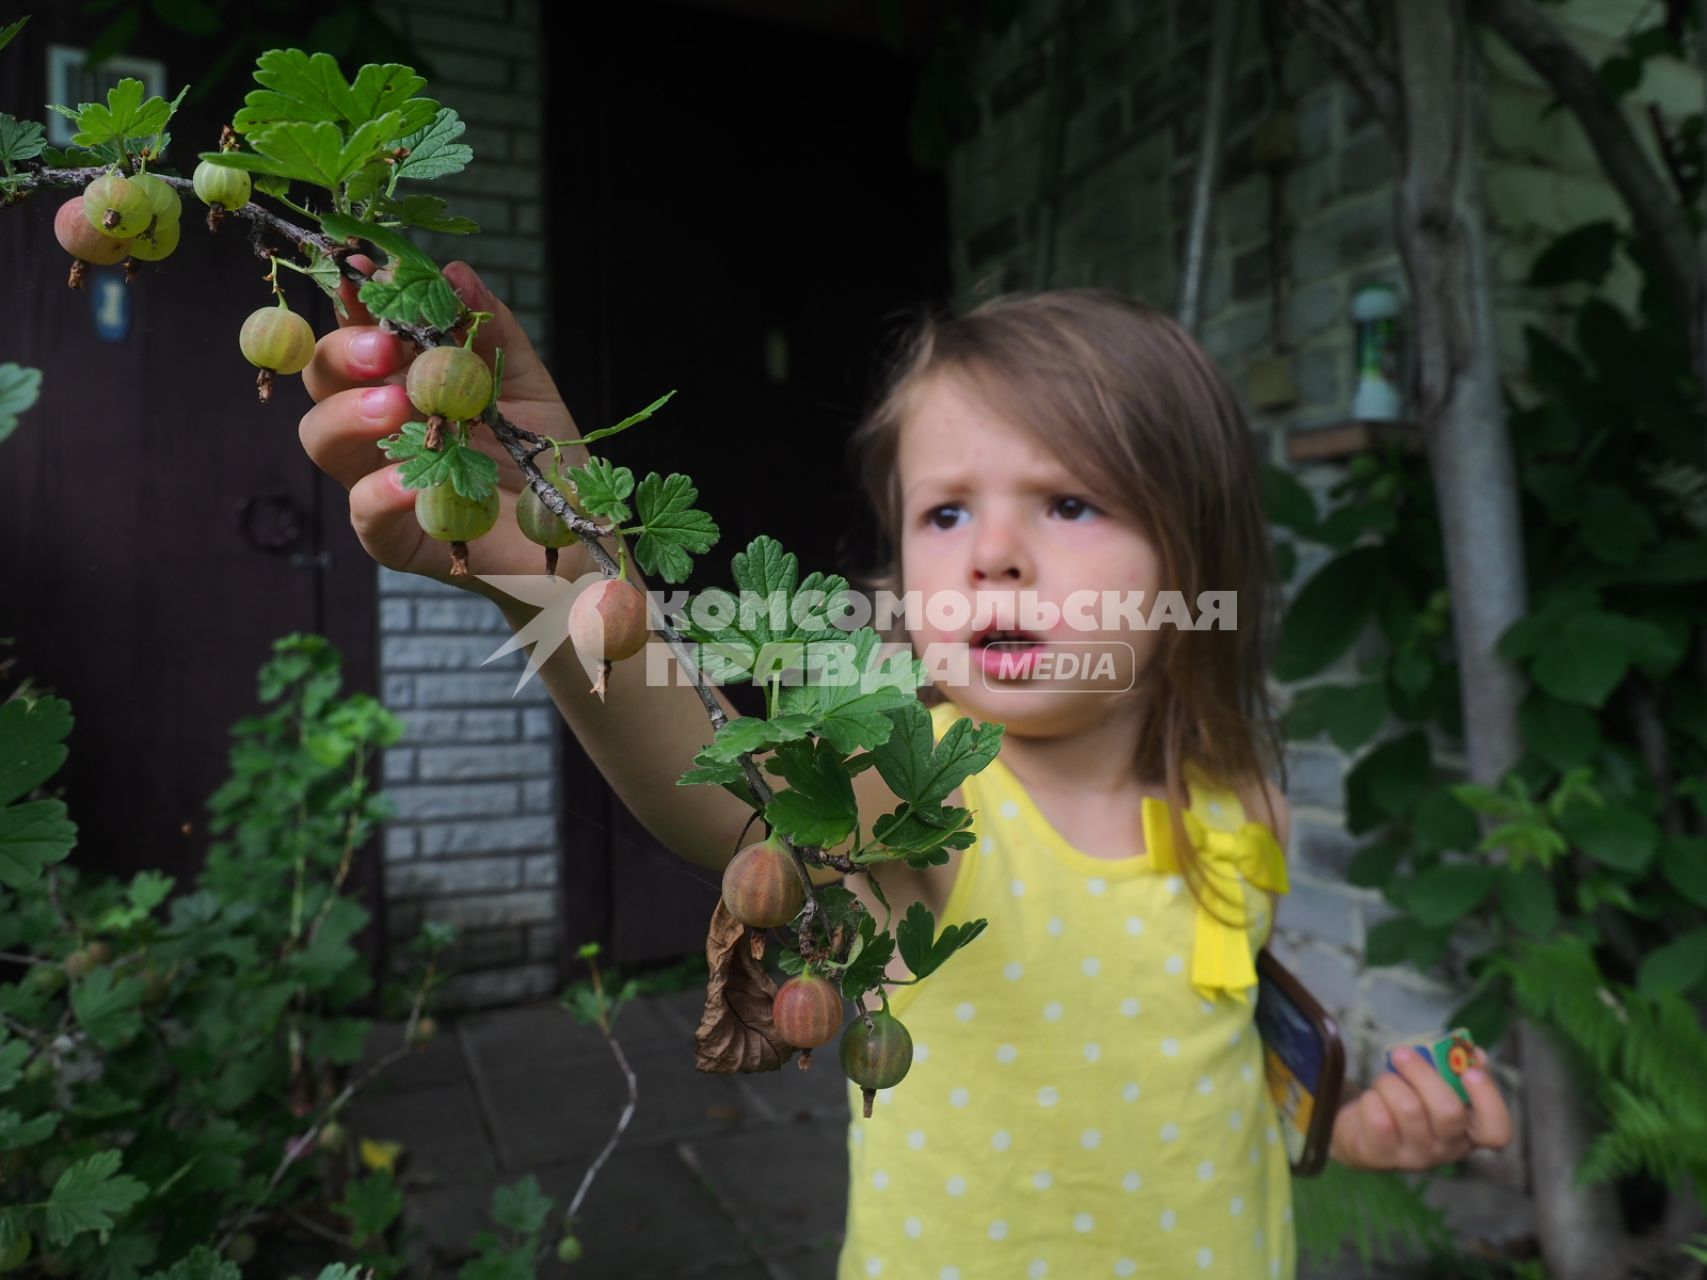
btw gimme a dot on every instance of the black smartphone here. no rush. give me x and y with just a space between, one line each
1304 1062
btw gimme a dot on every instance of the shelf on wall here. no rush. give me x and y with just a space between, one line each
1343 439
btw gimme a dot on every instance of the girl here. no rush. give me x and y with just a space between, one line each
1086 1097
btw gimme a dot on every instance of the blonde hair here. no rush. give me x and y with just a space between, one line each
1137 409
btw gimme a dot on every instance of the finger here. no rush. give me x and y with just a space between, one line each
1490 1118
341 433
361 355
1377 1137
1448 1117
525 375
1408 1110
382 512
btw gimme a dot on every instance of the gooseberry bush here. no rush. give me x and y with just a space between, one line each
322 167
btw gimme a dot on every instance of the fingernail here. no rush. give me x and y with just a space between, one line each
376 403
368 349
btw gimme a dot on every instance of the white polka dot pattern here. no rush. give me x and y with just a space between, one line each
1081 1110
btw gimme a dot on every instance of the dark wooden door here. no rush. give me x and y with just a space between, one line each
726 186
159 528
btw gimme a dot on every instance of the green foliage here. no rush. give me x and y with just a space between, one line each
1577 885
1383 1216
471 473
19 387
126 125
150 1049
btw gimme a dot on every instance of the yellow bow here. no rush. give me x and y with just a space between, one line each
1221 953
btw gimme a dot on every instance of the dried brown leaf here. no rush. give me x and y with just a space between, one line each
735 1032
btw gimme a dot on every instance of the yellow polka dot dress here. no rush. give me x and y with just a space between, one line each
1076 1107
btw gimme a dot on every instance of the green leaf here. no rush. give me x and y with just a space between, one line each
1526 897
8 33
924 952
17 1133
31 836
924 835
751 733
1329 613
1445 894
1388 942
318 154
857 687
1562 734
397 246
323 270
1387 782
302 87
521 1206
819 807
90 1196
769 606
201 1263
1484 1015
413 294
1614 527
672 527
1582 254
1678 966
1683 862
1442 822
124 115
109 1007
1583 659
922 774
1374 864
372 1205
427 213
149 889
19 389
434 151
32 743
602 488
20 139
470 472
1287 502
1618 838
868 960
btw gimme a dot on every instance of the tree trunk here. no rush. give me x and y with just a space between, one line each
1425 91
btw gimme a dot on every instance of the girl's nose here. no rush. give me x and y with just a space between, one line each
1000 555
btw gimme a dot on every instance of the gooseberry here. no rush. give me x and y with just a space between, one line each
83 242
540 525
807 1011
425 1030
117 207
607 623
761 887
162 196
878 1056
449 517
569 1250
221 185
451 382
275 340
241 1250
332 1136
157 242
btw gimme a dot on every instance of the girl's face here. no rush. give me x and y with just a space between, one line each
990 518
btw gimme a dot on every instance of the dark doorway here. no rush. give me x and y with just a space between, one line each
159 527
741 222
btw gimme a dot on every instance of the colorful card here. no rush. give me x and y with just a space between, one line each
1451 1053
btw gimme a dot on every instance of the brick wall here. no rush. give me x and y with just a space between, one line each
1133 111
476 838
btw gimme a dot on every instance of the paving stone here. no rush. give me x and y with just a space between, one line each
818 1093
809 1264
779 1213
646 1214
439 1061
538 1037
439 1126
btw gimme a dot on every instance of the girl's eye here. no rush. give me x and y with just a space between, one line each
934 512
1074 507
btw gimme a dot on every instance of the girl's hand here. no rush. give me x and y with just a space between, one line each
1414 1119
356 379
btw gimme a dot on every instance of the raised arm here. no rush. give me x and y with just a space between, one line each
641 738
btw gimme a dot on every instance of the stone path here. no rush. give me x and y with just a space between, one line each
717 1177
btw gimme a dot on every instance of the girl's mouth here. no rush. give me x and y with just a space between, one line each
1006 654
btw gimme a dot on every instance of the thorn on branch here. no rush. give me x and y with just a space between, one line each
264 385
